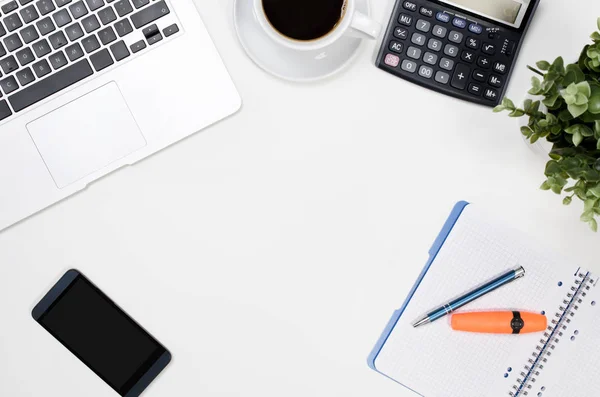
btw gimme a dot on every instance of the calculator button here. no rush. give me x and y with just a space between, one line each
483 62
426 71
409 5
461 75
474 28
468 56
400 33
428 12
451 50
499 67
490 94
475 89
442 77
434 45
430 58
409 66
405 19
509 49
479 75
442 17
413 52
493 35
459 22
396 47
423 26
489 49
392 60
496 81
418 39
439 31
446 63
472 43
455 37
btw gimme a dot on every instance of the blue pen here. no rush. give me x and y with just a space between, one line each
471 296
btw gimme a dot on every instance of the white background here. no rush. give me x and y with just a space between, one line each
269 251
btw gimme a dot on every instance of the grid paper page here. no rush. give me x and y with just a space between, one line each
435 361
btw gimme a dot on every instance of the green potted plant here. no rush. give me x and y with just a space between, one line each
570 120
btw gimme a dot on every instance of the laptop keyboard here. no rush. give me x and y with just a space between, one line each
49 45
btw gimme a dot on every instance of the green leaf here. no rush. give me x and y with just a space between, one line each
551 99
594 104
589 204
507 103
587 216
567 200
516 113
577 110
543 65
598 145
545 186
577 138
595 190
593 225
526 131
584 88
598 23
595 36
572 89
559 65
499 109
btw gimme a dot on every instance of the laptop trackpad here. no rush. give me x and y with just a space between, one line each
86 135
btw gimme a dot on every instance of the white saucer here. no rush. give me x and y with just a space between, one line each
285 63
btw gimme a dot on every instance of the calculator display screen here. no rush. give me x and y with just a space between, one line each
510 12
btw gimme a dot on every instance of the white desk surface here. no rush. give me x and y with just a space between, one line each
269 251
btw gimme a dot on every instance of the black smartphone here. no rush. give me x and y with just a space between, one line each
92 327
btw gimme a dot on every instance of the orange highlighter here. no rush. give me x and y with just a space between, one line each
502 322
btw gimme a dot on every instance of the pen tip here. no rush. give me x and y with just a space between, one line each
421 322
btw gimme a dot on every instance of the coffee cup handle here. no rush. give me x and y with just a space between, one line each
364 27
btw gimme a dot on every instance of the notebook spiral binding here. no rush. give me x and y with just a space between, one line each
559 323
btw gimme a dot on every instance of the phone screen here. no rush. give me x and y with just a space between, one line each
101 335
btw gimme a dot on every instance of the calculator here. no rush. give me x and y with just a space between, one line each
462 48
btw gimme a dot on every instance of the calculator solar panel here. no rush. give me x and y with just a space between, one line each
462 48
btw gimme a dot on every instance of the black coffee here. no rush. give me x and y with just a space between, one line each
304 19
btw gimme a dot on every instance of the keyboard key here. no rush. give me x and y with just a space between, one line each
13 42
390 60
45 6
149 14
62 18
447 64
62 3
442 77
428 12
409 5
13 22
50 85
474 89
439 31
9 7
94 4
90 44
461 76
150 31
90 23
29 14
171 30
107 15
489 49
442 17
155 38
400 33
4 110
101 60
468 56
29 34
74 31
140 3
25 56
140 45
74 52
119 50
78 9
58 40
423 26
45 26
9 64
473 43
451 50
58 60
455 37
474 28
459 22
107 35
430 58
426 71
25 76
9 84
435 45
409 66
479 75
123 27
483 62
41 68
496 81
500 67
2 50
405 19
24 2
418 39
396 47
414 52
41 48
2 30
490 94
123 7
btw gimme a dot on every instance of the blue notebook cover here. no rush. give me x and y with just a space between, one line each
437 245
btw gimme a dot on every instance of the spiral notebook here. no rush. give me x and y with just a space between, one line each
434 361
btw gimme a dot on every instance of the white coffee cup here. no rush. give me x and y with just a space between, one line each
300 60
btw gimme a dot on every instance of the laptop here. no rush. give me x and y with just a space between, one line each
89 86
